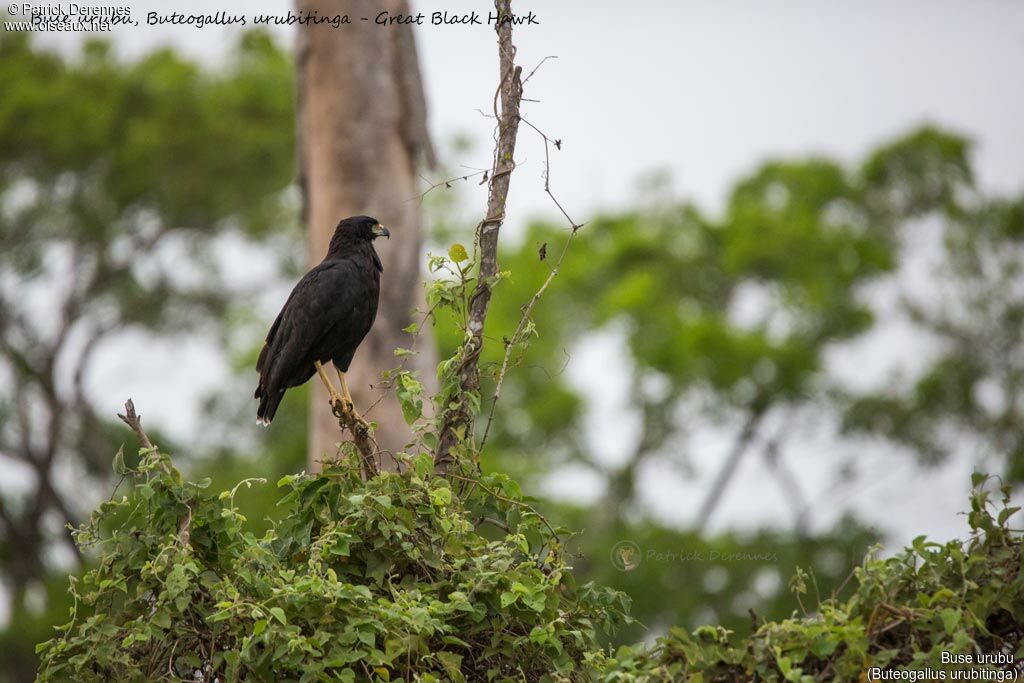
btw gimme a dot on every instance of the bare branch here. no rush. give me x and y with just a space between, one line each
510 91
739 448
523 320
360 430
547 173
447 183
528 308
539 65
134 420
349 419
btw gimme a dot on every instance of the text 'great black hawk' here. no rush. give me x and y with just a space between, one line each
327 315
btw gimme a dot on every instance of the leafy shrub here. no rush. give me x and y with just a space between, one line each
405 578
959 598
390 579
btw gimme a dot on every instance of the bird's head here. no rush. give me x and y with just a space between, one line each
356 235
361 228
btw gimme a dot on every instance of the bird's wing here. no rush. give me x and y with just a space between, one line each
314 307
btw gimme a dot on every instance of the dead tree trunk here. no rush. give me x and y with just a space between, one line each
457 422
362 132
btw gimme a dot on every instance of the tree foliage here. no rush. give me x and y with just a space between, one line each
731 323
117 182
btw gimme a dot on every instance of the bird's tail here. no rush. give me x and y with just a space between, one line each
268 405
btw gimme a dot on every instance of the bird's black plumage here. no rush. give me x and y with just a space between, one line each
326 316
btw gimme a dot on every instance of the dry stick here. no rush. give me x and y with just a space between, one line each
448 183
523 320
510 91
528 308
536 68
360 430
134 420
547 174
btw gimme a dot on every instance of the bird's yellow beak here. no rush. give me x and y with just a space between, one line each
380 231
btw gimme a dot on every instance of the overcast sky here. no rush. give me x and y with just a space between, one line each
703 91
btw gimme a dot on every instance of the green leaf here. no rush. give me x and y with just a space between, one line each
1006 513
441 496
119 466
452 663
950 619
457 253
423 465
278 614
824 646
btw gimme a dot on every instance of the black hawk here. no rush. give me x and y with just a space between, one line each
325 318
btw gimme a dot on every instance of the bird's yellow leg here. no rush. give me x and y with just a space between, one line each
335 396
344 390
348 407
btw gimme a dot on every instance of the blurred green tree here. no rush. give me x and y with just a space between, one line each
670 280
116 182
727 324
730 320
970 396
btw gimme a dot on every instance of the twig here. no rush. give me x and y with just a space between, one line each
184 533
528 308
134 420
506 499
170 661
539 65
547 173
511 343
349 419
447 183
